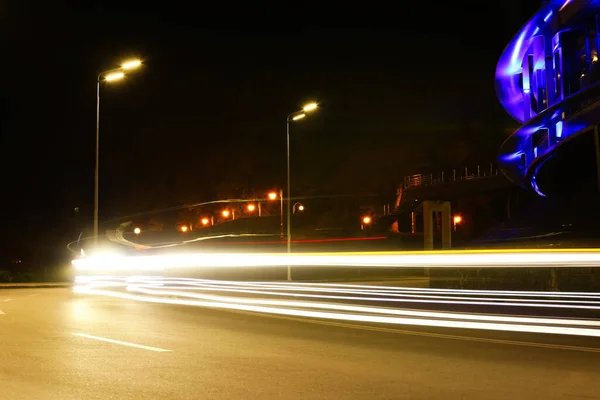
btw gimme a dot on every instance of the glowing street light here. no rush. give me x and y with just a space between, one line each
115 76
273 196
297 206
183 228
456 220
131 64
106 76
205 221
295 116
225 213
251 207
310 107
137 230
366 220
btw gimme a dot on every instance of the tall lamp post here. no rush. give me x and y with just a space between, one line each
106 76
295 116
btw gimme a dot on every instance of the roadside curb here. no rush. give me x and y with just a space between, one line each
34 285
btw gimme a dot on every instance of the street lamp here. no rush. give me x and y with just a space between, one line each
295 116
251 207
299 208
456 220
106 76
137 230
225 213
273 196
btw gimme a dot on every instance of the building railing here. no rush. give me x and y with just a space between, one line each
446 177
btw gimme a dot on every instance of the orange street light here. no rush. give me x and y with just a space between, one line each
225 213
272 195
205 221
300 207
366 220
183 228
457 220
251 207
137 230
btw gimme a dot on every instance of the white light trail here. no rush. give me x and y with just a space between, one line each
511 327
193 292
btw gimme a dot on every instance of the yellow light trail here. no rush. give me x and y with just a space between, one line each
443 259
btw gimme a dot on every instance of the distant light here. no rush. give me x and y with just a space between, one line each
299 116
272 196
366 220
559 129
204 221
115 76
183 228
301 207
457 219
594 58
251 207
137 230
225 213
310 107
131 64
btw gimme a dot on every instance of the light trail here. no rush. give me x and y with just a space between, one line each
442 259
194 292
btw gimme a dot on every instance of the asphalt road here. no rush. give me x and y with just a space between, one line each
234 355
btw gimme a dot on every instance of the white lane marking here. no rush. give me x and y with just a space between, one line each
102 339
35 294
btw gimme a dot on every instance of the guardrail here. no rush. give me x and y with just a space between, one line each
443 177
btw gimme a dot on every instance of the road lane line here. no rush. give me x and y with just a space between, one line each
103 339
427 334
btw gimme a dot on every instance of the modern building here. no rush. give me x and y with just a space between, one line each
548 79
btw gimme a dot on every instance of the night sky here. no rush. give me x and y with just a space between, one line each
403 89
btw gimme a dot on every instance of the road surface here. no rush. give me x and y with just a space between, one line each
56 344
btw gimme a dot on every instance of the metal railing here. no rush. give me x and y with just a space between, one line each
443 177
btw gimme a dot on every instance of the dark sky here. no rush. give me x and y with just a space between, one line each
403 89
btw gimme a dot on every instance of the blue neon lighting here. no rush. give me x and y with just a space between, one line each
514 84
559 129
